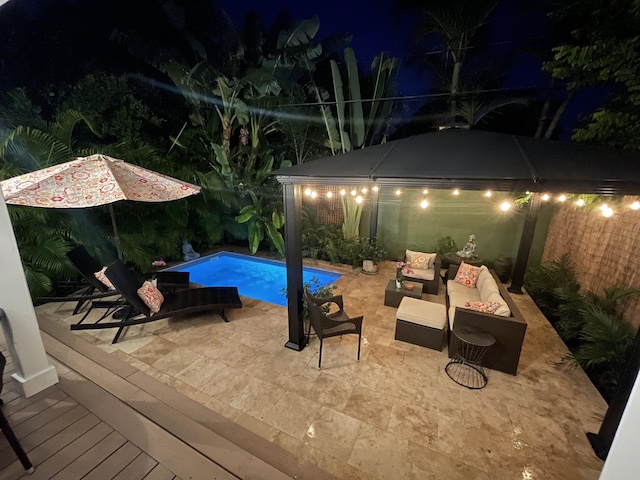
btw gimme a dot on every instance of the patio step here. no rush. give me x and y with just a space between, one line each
233 448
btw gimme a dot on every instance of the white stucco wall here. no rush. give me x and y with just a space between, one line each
623 461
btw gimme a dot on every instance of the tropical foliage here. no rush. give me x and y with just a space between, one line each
598 337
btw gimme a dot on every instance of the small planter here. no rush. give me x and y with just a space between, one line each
369 267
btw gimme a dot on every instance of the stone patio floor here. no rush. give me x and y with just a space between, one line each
393 415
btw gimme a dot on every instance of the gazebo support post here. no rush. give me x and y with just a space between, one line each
525 244
293 256
373 214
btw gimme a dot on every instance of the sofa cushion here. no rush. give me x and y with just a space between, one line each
467 275
458 296
422 312
503 310
483 276
489 288
420 273
420 260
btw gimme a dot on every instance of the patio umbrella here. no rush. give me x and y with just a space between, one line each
92 181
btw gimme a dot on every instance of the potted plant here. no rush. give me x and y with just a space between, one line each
372 253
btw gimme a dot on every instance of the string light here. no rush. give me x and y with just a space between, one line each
545 197
354 192
364 190
607 212
375 189
343 192
358 199
488 194
425 191
329 194
635 205
398 192
562 198
580 202
424 204
505 206
314 194
307 192
456 192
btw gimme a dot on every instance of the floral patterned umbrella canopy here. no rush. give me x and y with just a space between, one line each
92 181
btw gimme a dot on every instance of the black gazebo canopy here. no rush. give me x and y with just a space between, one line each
456 158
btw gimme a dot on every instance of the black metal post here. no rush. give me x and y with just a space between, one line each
601 441
293 256
525 243
373 214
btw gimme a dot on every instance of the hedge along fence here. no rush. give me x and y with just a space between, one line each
604 251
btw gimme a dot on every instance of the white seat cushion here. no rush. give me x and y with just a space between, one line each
420 273
421 312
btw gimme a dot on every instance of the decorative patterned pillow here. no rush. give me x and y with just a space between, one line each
151 296
467 275
103 278
420 260
484 307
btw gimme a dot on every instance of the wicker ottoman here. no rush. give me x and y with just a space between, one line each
422 323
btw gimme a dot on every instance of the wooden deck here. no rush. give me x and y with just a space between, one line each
65 441
107 420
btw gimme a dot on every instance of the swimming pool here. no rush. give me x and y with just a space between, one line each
257 278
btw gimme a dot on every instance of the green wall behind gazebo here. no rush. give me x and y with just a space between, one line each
403 224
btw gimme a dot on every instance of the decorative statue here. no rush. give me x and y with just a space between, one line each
187 250
469 248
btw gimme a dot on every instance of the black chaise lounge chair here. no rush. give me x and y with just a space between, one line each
183 302
91 287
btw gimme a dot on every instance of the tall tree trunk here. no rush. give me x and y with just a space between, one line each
455 83
556 118
542 120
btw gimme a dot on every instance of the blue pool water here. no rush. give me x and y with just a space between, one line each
255 277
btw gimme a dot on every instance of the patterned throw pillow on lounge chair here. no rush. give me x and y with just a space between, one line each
103 278
420 260
151 296
467 275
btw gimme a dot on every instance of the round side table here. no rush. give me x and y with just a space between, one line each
465 367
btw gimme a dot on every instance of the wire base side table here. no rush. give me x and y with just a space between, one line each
465 367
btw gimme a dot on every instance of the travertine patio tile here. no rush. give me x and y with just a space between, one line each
257 398
330 391
333 433
176 361
200 374
369 406
381 454
154 350
292 414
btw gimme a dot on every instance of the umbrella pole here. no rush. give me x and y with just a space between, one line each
116 238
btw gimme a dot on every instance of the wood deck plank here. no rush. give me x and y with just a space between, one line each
93 457
51 446
20 402
116 463
42 418
20 416
52 428
68 454
149 437
9 395
138 469
160 472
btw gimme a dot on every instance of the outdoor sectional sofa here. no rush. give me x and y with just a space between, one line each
508 331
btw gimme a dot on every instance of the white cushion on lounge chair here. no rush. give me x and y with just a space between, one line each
420 273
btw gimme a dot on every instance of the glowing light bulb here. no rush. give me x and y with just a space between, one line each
364 190
425 191
314 194
607 212
343 192
505 206
603 207
307 192
580 202
358 199
528 192
488 193
635 205
329 194
354 192
545 197
398 192
424 204
456 192
562 198
375 189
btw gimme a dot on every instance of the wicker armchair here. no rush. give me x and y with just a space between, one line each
331 324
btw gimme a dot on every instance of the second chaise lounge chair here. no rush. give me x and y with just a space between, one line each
136 312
